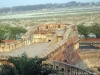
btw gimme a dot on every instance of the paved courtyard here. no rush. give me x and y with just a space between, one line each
31 50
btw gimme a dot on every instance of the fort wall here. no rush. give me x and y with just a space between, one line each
63 51
62 39
7 47
37 33
67 69
63 46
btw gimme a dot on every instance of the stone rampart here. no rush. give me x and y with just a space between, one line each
67 69
31 36
63 47
64 51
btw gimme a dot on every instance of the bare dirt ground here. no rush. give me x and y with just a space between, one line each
90 64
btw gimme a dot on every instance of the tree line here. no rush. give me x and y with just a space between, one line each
47 6
86 30
7 32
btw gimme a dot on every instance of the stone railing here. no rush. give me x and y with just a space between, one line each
67 69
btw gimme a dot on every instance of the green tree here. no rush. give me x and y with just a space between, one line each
35 67
19 63
83 30
31 66
2 32
8 32
7 70
95 28
14 31
99 69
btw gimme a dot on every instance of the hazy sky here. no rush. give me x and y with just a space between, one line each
11 3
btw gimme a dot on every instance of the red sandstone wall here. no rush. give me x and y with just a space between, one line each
70 55
65 52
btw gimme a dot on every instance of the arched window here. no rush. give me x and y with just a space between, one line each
62 69
51 66
68 71
56 67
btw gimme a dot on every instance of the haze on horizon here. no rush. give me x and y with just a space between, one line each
11 3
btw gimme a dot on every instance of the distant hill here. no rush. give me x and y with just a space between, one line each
48 6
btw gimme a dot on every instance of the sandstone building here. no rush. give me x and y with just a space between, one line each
58 42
